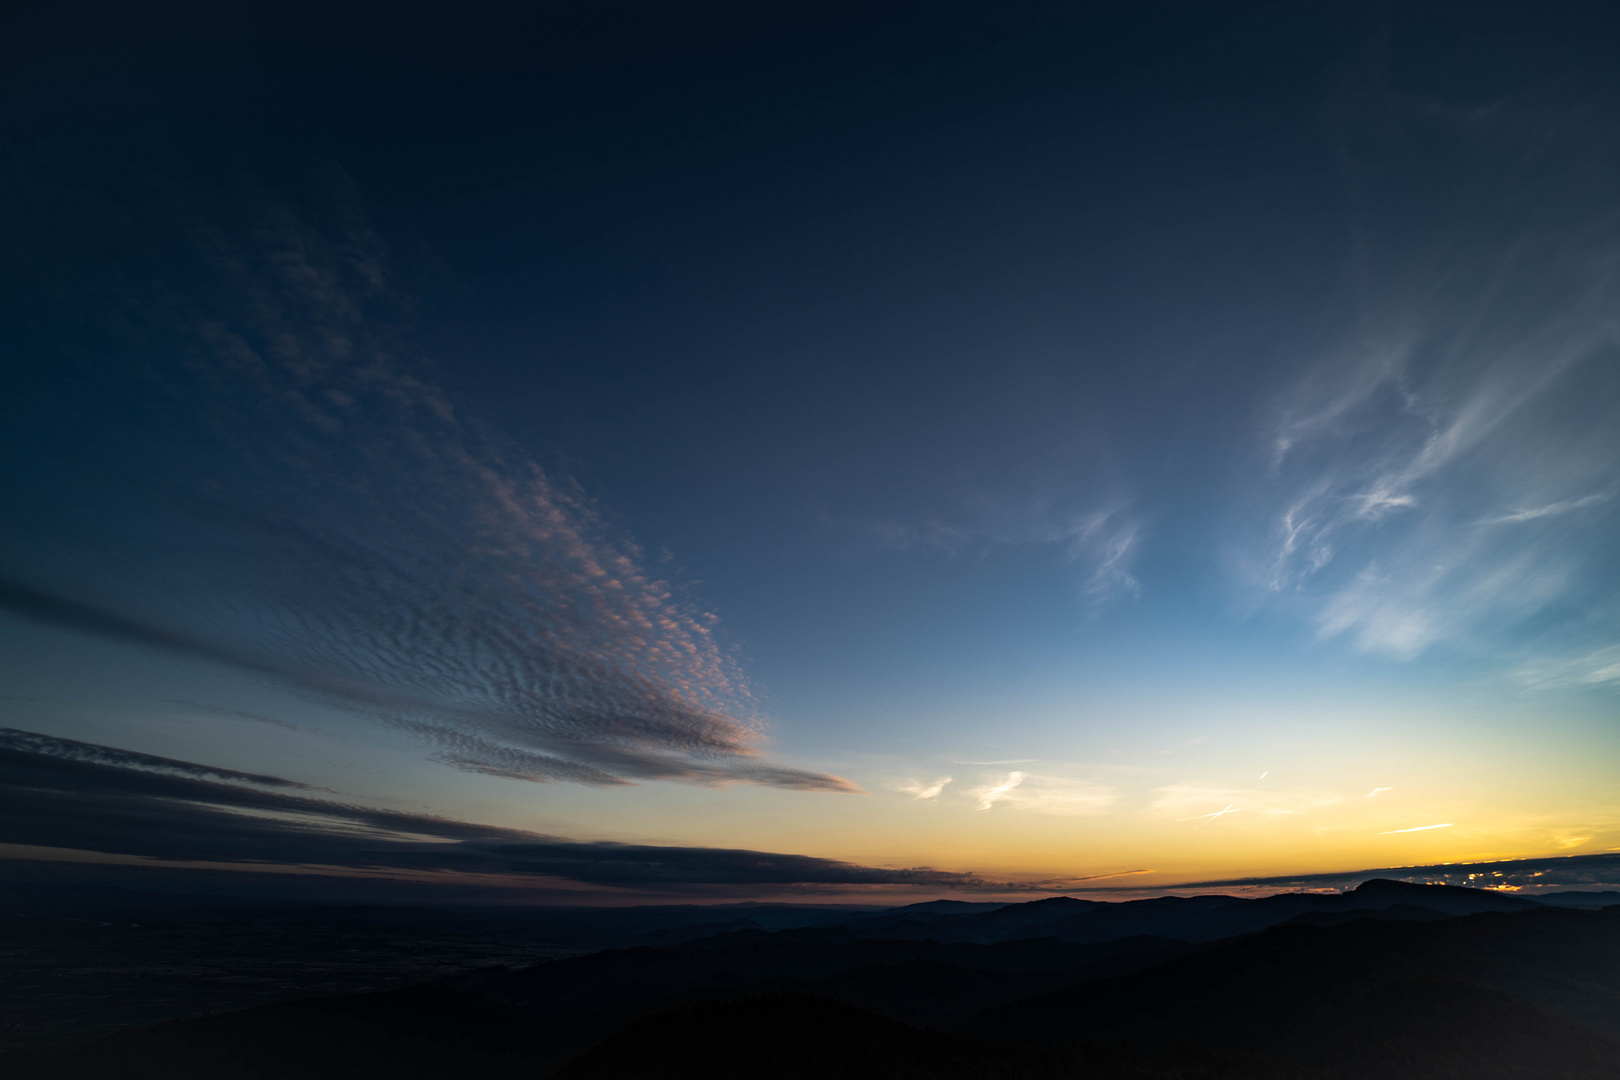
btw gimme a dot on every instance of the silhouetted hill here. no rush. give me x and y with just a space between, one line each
1398 913
1185 918
1391 986
424 1031
796 1037
679 935
948 907
1576 898
1529 994
1378 893
933 922
626 979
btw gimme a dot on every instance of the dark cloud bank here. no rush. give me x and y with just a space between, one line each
65 794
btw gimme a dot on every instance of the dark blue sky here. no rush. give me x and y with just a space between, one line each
1123 413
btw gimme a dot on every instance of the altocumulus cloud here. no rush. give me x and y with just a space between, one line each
249 467
59 793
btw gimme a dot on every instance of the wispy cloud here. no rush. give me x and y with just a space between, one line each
989 794
1035 793
301 501
1115 874
926 791
1600 667
1108 545
1210 802
1416 828
1101 541
1446 477
1216 814
1550 510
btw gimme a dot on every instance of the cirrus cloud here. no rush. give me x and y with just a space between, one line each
1447 476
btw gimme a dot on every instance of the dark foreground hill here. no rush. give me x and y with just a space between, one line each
801 1037
1533 994
84 962
431 1032
1398 991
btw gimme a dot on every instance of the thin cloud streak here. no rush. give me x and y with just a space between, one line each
1207 802
1601 667
1215 815
1103 542
1551 510
62 794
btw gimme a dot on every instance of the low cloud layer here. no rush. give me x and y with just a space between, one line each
59 793
252 469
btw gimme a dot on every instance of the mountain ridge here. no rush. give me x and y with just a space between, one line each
1391 990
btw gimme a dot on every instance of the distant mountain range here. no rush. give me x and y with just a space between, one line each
1193 918
1388 980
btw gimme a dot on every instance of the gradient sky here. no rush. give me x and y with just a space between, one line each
969 447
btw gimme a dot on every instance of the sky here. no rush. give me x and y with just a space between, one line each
595 453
